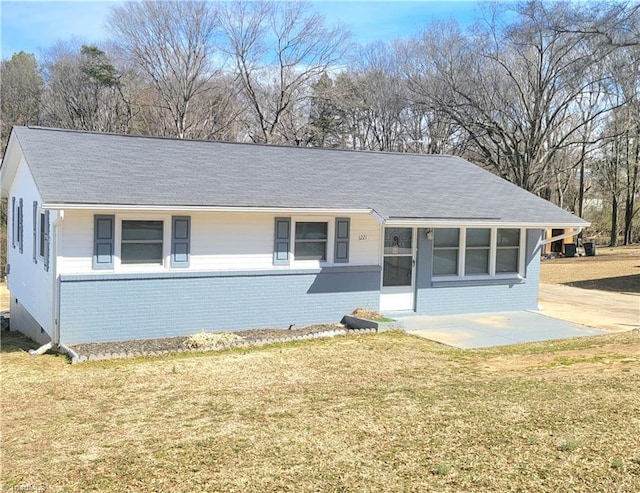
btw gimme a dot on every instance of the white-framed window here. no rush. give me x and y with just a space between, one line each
142 242
478 252
311 240
508 251
446 249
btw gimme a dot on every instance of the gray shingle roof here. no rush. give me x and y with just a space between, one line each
73 167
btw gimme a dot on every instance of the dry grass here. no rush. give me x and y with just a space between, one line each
612 269
385 412
4 297
370 315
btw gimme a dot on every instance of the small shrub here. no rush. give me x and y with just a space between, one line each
211 340
569 445
442 469
617 463
370 315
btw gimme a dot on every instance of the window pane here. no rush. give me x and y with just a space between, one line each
397 271
141 253
478 237
445 262
507 260
446 237
398 240
142 230
311 231
310 250
508 237
476 262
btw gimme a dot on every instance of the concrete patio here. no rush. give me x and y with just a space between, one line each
493 329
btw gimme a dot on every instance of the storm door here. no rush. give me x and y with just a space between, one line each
398 269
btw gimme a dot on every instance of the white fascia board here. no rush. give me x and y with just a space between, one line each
9 166
458 223
166 208
379 219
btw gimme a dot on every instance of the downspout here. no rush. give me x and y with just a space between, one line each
53 265
574 232
56 281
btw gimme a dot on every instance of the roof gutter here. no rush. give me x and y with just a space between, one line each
574 232
199 208
473 222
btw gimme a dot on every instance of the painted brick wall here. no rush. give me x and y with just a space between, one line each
124 307
483 298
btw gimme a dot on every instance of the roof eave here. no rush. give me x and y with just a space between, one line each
199 208
484 222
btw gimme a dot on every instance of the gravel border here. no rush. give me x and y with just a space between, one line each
80 353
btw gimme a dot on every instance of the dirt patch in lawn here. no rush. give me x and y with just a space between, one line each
612 269
611 352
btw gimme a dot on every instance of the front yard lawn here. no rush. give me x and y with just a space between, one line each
385 412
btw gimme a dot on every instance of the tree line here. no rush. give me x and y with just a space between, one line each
545 95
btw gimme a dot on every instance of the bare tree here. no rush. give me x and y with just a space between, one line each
512 89
20 92
172 45
84 90
279 52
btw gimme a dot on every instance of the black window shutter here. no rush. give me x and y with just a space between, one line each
35 231
47 237
341 252
180 241
282 240
103 241
21 226
14 222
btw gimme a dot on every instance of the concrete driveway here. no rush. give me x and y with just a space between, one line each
599 309
565 312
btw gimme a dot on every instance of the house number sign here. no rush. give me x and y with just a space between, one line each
362 237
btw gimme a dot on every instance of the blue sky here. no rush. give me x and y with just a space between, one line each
34 26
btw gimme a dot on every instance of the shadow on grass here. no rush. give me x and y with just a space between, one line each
11 341
621 284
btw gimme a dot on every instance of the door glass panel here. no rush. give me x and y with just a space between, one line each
397 271
398 241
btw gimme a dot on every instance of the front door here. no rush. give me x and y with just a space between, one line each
398 270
